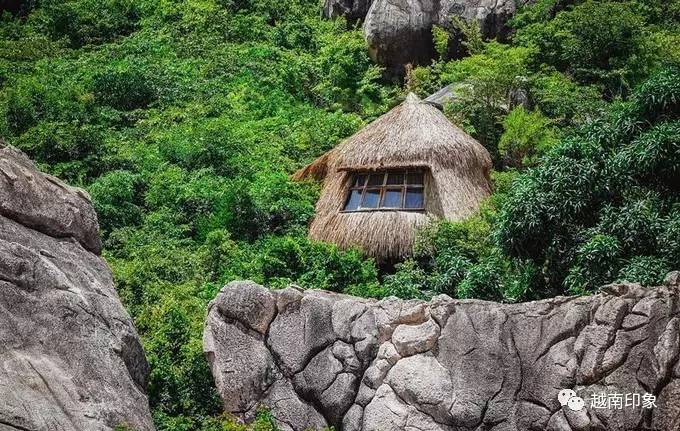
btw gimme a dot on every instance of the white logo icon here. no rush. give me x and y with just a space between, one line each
564 395
576 403
567 397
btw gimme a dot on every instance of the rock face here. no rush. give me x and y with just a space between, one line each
318 358
70 358
45 204
400 31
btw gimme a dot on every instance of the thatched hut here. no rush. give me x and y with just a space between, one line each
406 168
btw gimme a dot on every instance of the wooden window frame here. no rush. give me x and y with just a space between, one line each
382 188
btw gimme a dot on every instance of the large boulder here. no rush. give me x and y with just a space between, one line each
70 358
318 358
399 32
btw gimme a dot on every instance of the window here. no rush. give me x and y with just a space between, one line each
390 190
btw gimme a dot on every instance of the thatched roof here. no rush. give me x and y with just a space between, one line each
414 134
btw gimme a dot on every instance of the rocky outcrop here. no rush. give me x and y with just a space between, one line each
318 358
70 358
400 31
45 204
350 9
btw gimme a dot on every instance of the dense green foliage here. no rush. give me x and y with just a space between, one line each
184 120
605 204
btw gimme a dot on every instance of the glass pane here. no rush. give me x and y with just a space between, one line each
376 179
371 199
395 178
359 180
392 199
353 200
414 198
415 178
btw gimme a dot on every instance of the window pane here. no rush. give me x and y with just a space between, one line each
353 200
371 199
376 179
414 198
359 180
415 178
392 199
395 178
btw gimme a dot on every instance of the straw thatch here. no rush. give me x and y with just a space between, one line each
414 134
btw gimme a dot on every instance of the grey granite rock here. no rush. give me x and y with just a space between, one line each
70 358
422 382
412 339
44 203
458 364
400 31
353 419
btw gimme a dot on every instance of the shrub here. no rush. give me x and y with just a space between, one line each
84 22
72 151
483 83
347 77
310 264
460 259
115 198
263 422
124 87
526 136
473 40
646 270
563 100
441 37
28 101
409 281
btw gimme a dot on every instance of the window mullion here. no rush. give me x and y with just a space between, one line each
382 190
403 189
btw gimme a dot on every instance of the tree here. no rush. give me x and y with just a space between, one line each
483 83
526 136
